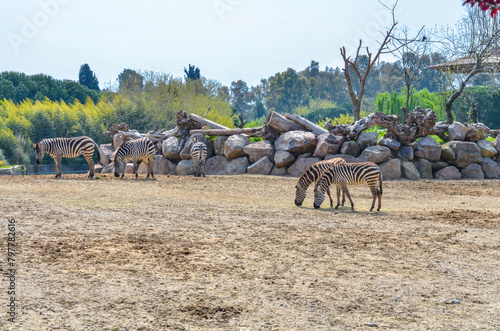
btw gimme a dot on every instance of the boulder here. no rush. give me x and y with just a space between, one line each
391 169
234 145
261 167
327 144
108 169
345 157
170 148
185 167
496 143
487 148
301 165
163 166
219 145
473 171
409 171
448 152
216 165
279 171
350 148
448 173
117 141
424 168
428 148
438 165
457 131
305 155
465 153
283 159
259 149
296 142
238 166
98 169
406 152
393 144
490 168
107 149
366 139
375 154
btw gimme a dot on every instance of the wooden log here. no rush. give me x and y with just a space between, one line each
317 130
206 122
251 132
282 124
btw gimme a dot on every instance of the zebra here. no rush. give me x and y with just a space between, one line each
313 174
69 148
140 150
350 174
199 155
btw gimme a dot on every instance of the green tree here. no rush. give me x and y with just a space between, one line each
130 81
87 78
192 73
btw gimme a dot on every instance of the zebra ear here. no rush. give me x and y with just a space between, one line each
34 145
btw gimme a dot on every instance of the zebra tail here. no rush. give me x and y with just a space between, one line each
380 183
101 157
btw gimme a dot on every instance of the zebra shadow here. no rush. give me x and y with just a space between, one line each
345 210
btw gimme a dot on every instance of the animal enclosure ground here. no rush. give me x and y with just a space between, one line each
234 252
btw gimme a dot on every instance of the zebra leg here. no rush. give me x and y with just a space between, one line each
330 196
150 168
346 191
374 194
338 197
91 167
135 169
124 164
203 168
58 159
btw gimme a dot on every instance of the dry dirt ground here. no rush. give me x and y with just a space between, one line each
235 253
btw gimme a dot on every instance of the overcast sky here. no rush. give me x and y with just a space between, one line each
227 39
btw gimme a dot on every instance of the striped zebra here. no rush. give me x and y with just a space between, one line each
69 148
350 174
140 150
199 155
313 174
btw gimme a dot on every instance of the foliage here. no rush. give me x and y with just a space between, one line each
487 101
341 119
491 5
130 81
192 73
17 87
87 78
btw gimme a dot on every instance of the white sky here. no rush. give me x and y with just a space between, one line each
227 39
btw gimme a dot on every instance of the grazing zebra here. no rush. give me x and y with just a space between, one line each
349 174
69 148
199 155
140 150
313 174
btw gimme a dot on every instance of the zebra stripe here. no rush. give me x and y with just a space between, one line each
313 174
140 150
350 174
199 154
59 148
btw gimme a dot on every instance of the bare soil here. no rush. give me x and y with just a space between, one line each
234 252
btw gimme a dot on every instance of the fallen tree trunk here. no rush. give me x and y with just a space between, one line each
252 132
206 122
281 124
317 130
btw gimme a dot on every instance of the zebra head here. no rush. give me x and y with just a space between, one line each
38 152
118 163
319 195
300 194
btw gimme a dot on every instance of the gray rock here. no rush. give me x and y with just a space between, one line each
305 155
473 171
424 168
448 152
163 166
428 148
107 149
296 142
391 169
448 173
219 145
438 165
261 167
375 154
393 144
350 148
406 152
490 168
283 159
487 148
98 169
301 165
279 171
496 143
170 148
234 145
259 149
327 144
466 153
409 171
217 165
108 169
238 166
185 167
457 131
366 139
345 157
